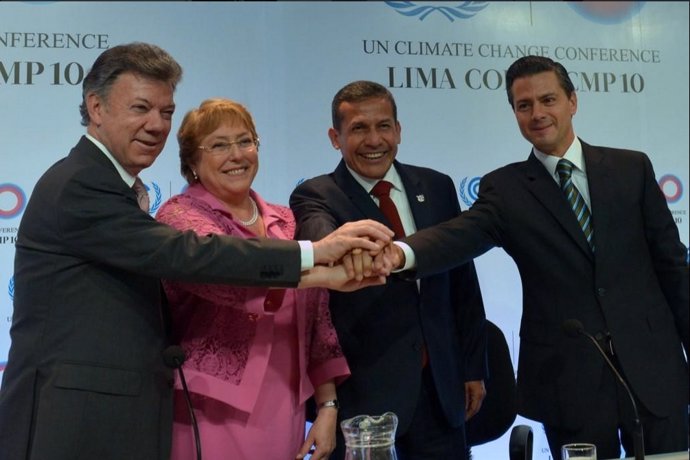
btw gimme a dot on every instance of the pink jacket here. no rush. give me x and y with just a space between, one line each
226 331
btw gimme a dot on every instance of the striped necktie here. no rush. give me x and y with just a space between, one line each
577 202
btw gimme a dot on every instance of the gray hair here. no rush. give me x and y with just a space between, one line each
143 59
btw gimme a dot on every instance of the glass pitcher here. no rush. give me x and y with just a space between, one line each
370 437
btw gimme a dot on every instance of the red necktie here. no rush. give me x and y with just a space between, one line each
382 191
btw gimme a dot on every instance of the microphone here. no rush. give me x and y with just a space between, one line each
574 328
173 357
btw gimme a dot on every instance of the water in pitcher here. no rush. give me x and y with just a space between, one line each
370 437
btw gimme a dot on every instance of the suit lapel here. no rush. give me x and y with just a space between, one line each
421 212
546 190
87 152
414 189
357 195
600 191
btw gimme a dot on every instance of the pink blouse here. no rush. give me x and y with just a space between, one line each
225 330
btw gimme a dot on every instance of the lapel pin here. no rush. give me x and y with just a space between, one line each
420 198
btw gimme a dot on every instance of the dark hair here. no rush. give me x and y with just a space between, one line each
358 91
143 59
199 123
531 65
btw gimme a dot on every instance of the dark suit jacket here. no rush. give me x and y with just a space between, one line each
382 328
85 377
635 286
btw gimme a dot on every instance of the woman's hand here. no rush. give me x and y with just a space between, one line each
321 435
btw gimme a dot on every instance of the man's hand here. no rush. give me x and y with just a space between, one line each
367 235
391 258
360 264
475 392
337 278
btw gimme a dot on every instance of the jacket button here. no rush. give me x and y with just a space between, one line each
601 292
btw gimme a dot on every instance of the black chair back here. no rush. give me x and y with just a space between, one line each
499 408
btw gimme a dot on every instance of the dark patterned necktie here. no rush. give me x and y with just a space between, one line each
142 194
577 202
382 191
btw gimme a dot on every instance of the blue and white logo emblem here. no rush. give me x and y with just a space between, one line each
462 10
469 190
158 198
10 288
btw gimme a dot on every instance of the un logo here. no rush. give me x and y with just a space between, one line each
469 190
156 203
463 10
10 288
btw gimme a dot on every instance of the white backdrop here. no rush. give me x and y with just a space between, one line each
444 63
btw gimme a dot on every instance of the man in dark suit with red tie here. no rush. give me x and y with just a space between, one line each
607 254
417 350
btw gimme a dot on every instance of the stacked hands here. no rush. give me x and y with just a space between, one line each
356 255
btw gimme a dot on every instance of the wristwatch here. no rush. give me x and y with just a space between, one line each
330 403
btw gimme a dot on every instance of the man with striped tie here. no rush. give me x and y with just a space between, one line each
593 239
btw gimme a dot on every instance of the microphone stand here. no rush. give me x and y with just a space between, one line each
575 326
174 357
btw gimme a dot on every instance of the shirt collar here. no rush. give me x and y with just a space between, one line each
391 176
573 154
127 177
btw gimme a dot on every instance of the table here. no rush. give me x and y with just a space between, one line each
683 455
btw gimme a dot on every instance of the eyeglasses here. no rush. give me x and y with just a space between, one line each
223 148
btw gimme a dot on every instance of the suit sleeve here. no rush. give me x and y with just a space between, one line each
462 238
312 213
668 253
99 221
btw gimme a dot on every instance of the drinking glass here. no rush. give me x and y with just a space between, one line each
579 451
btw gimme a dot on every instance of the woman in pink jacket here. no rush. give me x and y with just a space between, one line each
254 355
